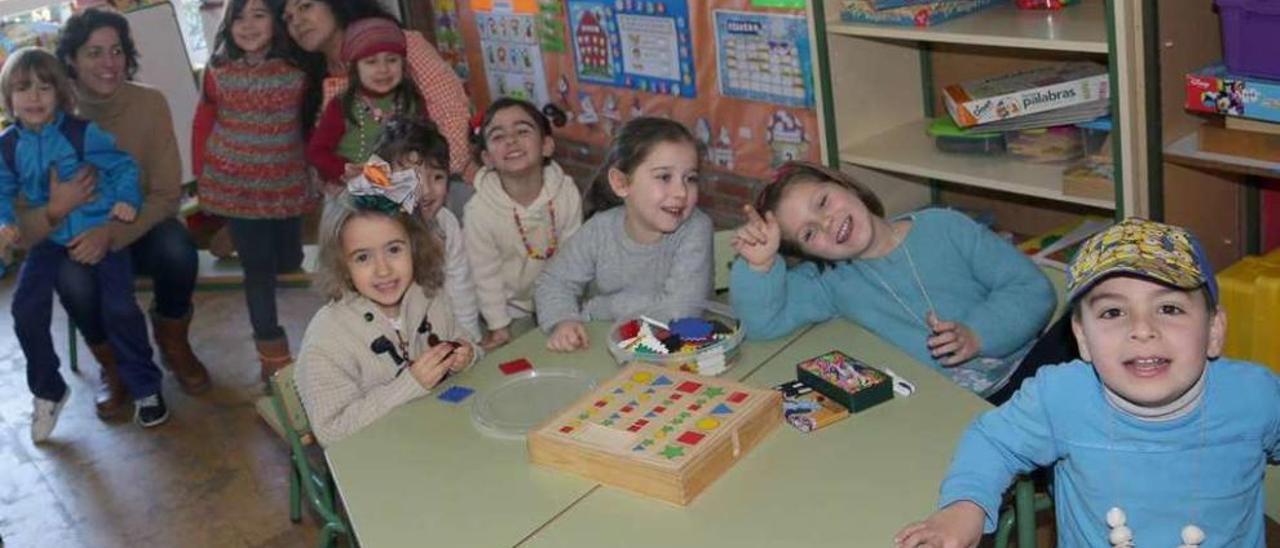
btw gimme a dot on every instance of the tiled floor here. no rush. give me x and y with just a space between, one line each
214 475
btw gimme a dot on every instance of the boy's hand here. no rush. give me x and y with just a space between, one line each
959 525
568 336
757 241
431 367
123 212
952 343
65 196
496 338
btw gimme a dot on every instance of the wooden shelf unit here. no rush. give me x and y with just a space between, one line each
883 83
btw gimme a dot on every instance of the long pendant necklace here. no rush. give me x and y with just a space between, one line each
552 244
372 110
919 285
1121 536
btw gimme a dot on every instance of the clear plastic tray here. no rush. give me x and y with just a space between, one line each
518 405
711 360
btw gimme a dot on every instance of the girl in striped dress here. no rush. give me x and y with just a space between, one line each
249 157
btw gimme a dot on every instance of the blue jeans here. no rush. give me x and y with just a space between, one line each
166 253
126 328
266 247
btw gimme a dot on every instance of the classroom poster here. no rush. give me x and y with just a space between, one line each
764 57
747 132
512 56
449 38
635 44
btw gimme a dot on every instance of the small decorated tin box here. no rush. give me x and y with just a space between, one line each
846 380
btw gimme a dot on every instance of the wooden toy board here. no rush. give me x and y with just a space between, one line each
659 432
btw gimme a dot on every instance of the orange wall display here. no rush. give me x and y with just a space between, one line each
761 115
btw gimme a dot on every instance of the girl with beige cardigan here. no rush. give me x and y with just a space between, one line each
388 334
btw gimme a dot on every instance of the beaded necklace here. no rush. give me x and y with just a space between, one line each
524 236
371 108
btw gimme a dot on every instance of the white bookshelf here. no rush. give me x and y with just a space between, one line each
1078 28
878 81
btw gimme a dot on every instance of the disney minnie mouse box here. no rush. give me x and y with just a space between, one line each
658 432
1215 91
846 380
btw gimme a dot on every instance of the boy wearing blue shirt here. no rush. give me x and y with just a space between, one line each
1154 439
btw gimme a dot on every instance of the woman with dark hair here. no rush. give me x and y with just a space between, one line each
318 27
100 56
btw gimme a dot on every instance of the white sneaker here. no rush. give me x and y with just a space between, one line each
44 416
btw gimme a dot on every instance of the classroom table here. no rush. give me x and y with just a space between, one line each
424 475
854 483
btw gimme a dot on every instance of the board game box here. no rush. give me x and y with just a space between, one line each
846 380
658 432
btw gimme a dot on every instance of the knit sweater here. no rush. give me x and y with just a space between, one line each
150 140
457 274
246 141
501 265
613 276
1205 467
337 142
344 385
442 92
968 274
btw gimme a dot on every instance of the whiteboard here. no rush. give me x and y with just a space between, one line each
163 63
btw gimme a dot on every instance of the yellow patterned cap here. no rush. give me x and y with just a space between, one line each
1163 253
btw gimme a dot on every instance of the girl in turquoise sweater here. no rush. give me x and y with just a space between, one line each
936 284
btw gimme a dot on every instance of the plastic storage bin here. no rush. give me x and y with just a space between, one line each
1249 30
1250 294
707 337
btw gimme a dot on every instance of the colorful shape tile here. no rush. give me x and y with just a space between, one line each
627 409
672 451
618 391
642 377
662 380
600 403
515 366
690 438
677 396
615 416
566 429
713 391
660 409
722 409
638 448
737 397
455 394
708 423
689 387
694 407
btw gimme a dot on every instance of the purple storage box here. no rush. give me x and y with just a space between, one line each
1249 31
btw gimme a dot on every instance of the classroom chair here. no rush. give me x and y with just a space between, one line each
283 412
1026 503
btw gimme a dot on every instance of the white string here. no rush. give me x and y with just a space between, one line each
919 284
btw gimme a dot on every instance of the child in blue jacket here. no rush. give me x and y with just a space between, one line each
45 146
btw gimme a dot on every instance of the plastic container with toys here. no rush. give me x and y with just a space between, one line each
697 337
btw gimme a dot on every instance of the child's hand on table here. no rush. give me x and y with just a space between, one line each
496 338
568 336
952 343
959 525
463 353
757 241
431 367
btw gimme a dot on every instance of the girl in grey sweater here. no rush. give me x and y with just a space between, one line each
648 245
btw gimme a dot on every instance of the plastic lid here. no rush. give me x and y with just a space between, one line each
518 405
946 127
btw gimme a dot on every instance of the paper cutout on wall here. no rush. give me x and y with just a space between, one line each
551 25
643 45
512 59
764 57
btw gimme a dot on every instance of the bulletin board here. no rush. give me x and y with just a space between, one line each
737 74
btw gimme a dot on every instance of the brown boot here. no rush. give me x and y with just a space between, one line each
110 398
176 354
274 355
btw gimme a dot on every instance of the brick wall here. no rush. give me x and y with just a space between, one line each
721 194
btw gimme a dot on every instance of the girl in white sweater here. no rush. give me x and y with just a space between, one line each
386 336
524 208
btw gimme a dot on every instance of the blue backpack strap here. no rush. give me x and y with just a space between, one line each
9 148
74 130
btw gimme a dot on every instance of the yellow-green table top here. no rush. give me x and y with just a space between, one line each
424 475
854 482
